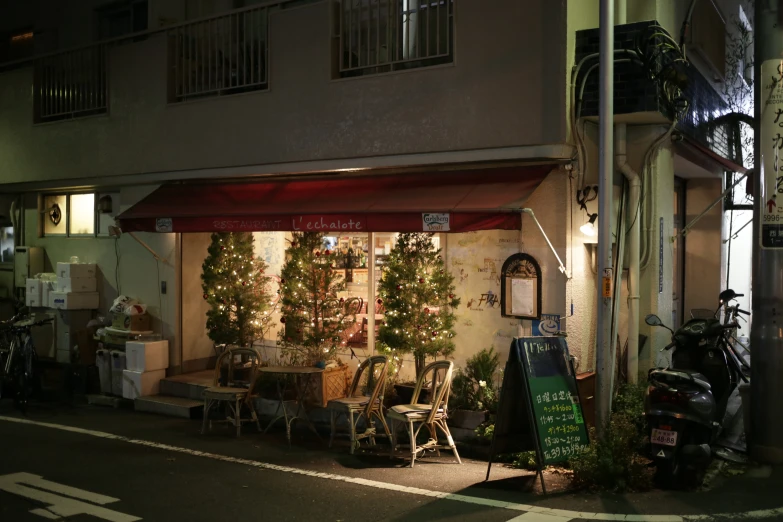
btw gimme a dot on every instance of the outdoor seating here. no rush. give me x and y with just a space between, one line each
235 378
364 400
437 377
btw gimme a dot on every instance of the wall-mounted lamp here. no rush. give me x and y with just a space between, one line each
588 228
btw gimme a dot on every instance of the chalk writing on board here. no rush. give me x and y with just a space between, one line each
522 296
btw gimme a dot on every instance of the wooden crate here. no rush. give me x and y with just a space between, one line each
329 385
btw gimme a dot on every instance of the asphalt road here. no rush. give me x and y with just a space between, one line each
152 468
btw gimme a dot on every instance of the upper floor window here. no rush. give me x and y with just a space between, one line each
121 18
78 215
377 36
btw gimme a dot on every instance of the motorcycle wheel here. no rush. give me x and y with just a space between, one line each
667 473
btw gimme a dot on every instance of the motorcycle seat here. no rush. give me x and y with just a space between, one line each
674 377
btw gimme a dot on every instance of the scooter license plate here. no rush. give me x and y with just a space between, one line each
664 437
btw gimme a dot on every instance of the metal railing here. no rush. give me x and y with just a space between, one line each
217 56
378 36
71 84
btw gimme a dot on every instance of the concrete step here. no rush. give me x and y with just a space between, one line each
170 406
187 386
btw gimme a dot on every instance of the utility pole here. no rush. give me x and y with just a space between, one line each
766 432
605 366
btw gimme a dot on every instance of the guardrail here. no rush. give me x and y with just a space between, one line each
222 55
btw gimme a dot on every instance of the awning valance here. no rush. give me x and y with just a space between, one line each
452 201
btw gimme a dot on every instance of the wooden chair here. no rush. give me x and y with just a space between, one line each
432 415
235 387
365 399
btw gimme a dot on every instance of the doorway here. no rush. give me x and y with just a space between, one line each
678 254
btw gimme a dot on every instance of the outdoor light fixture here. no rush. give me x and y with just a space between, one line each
588 228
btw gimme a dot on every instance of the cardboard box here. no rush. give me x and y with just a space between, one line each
73 301
141 384
77 284
133 323
76 270
32 293
147 356
47 287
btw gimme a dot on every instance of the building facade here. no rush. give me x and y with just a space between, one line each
105 104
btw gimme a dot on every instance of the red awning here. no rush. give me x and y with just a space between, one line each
725 163
454 201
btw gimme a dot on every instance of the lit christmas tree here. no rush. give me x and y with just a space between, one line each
314 316
237 290
419 296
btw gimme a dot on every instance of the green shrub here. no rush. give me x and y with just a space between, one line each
474 388
614 463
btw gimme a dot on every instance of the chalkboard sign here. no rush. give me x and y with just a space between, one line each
539 408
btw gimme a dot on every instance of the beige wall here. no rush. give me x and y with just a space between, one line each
138 270
497 93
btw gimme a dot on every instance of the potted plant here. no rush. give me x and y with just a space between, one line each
473 390
315 317
418 294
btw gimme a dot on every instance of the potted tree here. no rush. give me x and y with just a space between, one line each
473 390
237 289
314 316
419 296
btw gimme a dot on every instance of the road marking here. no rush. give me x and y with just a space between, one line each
562 514
538 517
60 506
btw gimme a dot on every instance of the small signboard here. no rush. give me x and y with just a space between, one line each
606 284
520 287
539 408
549 324
771 187
436 222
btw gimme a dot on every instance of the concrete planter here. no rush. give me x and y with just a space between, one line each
467 419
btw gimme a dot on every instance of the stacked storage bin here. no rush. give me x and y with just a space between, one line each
146 364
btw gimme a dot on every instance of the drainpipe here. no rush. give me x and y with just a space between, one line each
633 216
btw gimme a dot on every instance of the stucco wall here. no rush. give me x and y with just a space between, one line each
703 245
497 93
138 270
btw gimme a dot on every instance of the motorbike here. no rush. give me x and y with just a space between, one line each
685 403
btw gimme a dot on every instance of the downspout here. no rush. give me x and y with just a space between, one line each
633 216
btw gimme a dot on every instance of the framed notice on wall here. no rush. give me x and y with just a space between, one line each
520 287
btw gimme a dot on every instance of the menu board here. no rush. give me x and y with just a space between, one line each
558 414
539 408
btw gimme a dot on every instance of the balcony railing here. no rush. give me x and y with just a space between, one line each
218 56
71 84
376 36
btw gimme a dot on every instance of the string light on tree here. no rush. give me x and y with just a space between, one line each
419 320
235 301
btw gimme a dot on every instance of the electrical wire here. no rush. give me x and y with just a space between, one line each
117 264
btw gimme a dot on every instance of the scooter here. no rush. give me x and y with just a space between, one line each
686 402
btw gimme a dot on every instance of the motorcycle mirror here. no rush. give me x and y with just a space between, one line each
727 295
653 320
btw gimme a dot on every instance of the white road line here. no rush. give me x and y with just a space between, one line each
561 514
538 517
38 482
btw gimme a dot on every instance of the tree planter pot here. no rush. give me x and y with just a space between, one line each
404 394
329 385
467 419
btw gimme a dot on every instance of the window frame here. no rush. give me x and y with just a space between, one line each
96 221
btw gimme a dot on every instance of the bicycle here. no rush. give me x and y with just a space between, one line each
20 370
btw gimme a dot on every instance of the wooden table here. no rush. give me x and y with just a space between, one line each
303 379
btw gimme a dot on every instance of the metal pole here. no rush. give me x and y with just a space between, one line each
605 366
766 432
371 295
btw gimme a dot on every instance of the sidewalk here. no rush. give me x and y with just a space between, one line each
756 491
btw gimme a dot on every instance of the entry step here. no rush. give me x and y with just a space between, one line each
170 406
